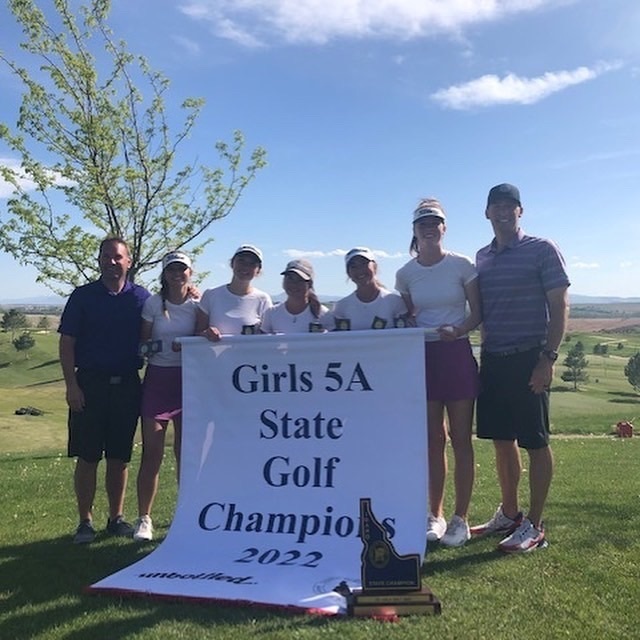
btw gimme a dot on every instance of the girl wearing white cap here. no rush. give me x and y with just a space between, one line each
370 306
237 307
301 312
165 316
438 287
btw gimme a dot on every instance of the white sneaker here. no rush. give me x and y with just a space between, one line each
457 532
524 539
499 524
143 529
435 528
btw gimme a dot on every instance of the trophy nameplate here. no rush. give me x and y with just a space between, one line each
391 583
250 329
315 327
343 324
378 323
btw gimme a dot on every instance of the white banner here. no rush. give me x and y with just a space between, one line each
282 436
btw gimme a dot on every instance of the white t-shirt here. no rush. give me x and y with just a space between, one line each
387 306
229 312
437 292
279 320
181 321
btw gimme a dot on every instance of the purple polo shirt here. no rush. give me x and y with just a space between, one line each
106 327
513 285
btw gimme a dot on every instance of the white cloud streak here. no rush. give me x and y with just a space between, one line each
490 90
7 189
254 23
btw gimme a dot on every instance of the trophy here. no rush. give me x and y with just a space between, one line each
149 347
315 327
250 329
391 583
343 324
378 323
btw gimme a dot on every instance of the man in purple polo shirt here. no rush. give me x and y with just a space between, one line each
523 286
99 338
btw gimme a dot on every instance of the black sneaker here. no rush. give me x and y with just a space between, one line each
118 527
85 533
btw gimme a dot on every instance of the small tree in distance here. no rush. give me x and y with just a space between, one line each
12 320
632 371
575 364
23 343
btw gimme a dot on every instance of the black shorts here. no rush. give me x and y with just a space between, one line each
110 417
507 409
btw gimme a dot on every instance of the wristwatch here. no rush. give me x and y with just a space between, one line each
551 355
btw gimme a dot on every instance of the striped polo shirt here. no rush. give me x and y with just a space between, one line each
513 285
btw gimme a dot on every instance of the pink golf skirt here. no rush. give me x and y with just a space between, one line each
452 371
161 393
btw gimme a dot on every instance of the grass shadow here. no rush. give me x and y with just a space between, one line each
41 566
48 363
44 382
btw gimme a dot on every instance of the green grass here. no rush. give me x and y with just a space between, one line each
593 409
585 584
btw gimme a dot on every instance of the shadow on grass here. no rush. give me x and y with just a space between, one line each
43 383
48 363
43 586
4 365
624 400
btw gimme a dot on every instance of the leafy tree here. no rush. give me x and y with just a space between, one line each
575 364
93 130
13 320
44 323
632 371
23 343
600 349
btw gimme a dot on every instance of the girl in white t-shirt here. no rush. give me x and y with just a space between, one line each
370 306
438 286
235 308
301 312
165 316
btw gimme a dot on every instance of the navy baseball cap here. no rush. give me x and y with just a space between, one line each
503 191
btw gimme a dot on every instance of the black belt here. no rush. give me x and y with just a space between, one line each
511 352
106 377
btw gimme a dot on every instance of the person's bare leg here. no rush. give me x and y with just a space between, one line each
460 414
84 482
437 456
509 469
153 437
116 485
540 474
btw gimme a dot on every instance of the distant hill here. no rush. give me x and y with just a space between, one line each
57 301
578 299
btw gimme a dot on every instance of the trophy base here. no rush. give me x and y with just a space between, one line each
390 604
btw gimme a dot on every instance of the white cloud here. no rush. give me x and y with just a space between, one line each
585 265
256 22
24 182
627 264
512 89
191 47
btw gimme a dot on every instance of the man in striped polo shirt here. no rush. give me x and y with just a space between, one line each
523 286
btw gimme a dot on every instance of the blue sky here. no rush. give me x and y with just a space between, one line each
364 106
